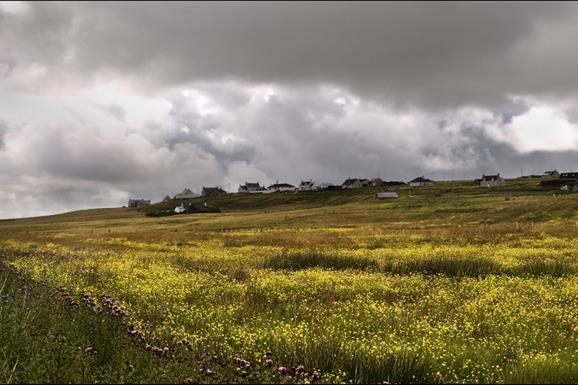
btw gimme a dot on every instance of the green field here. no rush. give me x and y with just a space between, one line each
455 283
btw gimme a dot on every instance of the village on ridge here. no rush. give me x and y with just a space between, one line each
565 181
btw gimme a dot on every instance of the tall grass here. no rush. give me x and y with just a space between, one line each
448 265
468 288
305 260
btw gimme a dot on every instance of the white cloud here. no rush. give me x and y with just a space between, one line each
14 7
102 102
541 128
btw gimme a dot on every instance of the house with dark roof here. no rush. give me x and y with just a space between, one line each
569 175
565 181
212 191
138 203
251 188
420 181
355 183
491 180
280 187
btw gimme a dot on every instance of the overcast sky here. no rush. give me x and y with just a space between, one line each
100 102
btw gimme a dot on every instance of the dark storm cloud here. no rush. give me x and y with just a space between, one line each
266 91
419 53
440 54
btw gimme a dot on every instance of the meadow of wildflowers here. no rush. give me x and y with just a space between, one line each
468 288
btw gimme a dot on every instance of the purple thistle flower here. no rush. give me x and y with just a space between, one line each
316 375
89 350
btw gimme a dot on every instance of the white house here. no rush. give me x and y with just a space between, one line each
491 180
307 185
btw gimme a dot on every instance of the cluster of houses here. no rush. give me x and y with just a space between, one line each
309 185
565 181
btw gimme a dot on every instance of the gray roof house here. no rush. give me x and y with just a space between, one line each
355 183
420 181
491 180
186 194
278 187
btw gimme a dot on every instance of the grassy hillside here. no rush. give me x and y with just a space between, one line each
453 283
308 199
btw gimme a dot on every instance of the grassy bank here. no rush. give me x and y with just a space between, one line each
456 283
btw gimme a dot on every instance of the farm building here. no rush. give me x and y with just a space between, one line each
420 181
280 187
491 180
186 194
212 191
138 203
386 195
